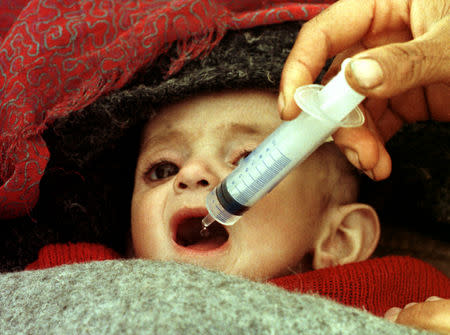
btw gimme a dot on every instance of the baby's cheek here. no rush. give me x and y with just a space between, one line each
139 209
268 215
141 227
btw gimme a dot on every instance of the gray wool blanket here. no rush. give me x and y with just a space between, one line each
147 297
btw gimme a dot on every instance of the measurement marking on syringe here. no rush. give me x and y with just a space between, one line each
261 174
254 187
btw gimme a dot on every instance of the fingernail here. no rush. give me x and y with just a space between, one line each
352 156
392 313
410 305
367 72
433 298
281 104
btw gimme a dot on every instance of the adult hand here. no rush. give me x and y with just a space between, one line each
401 62
433 315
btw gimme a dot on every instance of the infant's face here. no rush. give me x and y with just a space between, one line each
186 151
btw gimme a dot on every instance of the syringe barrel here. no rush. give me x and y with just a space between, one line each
289 145
324 109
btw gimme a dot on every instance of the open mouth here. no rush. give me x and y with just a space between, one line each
188 235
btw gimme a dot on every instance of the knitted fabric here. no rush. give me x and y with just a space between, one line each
374 285
60 254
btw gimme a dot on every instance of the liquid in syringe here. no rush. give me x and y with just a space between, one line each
324 110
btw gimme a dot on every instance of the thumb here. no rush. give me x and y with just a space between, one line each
392 69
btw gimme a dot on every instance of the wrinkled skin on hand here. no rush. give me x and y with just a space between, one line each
405 71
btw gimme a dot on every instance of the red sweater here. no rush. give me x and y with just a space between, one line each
374 285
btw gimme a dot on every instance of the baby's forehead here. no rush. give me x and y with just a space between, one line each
247 112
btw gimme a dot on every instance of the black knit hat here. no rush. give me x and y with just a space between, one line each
87 187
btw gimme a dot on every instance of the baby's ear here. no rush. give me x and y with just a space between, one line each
350 233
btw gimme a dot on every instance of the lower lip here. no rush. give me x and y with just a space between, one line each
207 248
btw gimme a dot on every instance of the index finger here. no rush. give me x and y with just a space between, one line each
337 28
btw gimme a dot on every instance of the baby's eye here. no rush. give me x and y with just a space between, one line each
241 156
162 170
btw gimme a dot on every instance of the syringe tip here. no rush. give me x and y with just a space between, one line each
207 221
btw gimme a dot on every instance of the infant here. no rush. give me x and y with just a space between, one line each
311 220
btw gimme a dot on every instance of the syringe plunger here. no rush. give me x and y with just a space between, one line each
337 99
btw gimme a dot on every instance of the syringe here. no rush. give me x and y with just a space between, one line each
324 110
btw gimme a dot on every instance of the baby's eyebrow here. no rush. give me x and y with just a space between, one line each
249 129
170 136
175 135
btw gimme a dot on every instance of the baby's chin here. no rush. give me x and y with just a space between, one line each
221 259
236 264
228 267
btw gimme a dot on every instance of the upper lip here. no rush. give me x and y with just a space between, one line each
185 213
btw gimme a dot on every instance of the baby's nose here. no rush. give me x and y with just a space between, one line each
195 175
186 184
